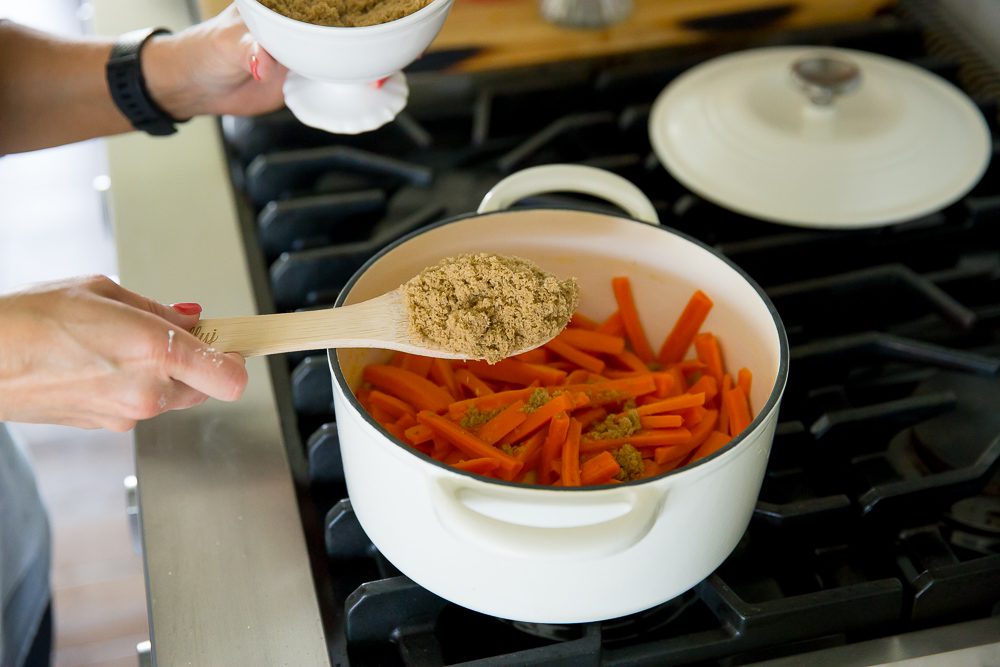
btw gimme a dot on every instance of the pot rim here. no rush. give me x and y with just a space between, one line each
777 390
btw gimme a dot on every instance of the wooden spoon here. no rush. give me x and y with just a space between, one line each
382 322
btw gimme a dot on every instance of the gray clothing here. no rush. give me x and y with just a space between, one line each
24 554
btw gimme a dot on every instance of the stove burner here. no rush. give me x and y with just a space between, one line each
959 438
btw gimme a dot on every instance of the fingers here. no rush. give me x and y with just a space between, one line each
205 369
184 315
261 65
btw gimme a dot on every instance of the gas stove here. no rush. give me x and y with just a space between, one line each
880 511
877 532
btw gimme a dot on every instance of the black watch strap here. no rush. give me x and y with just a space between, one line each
128 86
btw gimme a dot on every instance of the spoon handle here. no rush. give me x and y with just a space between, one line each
379 322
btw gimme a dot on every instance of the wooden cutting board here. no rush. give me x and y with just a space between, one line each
496 34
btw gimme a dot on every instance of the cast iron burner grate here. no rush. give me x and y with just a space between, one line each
880 510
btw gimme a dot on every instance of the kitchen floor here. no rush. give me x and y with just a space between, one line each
53 226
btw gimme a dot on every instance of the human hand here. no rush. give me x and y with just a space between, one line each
90 353
214 67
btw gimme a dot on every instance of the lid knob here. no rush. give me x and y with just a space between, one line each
822 78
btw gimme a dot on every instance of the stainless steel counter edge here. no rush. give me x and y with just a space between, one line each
228 574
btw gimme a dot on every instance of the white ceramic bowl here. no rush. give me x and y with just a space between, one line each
553 554
333 70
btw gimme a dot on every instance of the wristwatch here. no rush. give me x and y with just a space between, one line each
128 86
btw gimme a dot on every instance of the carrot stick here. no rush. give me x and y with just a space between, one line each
578 376
693 416
613 325
592 341
442 449
406 421
580 358
441 372
516 372
707 348
541 416
418 434
744 378
677 342
613 391
671 404
500 399
713 443
737 409
467 442
531 450
480 466
707 385
622 288
657 438
702 430
599 469
419 392
552 447
668 457
416 364
466 379
631 361
649 469
535 356
661 421
664 383
581 321
591 416
570 475
727 385
503 423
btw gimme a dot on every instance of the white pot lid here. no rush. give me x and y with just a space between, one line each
894 143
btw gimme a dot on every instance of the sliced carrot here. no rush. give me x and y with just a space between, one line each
481 466
670 404
552 447
613 325
418 391
727 384
442 449
677 342
406 421
591 416
709 353
540 417
531 451
570 475
500 399
577 376
613 391
516 372
622 288
661 421
581 321
442 373
593 341
649 469
418 434
744 378
416 364
631 361
535 356
737 409
467 442
502 423
579 357
693 416
599 469
664 383
477 387
707 385
657 438
390 404
713 443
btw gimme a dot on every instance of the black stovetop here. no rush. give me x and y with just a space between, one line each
880 510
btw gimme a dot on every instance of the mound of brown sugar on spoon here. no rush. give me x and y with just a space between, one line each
345 13
488 306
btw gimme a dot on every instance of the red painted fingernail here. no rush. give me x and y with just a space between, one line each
380 82
254 65
187 308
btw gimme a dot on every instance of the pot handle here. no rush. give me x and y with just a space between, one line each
540 524
570 178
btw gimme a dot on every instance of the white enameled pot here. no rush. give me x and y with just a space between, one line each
563 555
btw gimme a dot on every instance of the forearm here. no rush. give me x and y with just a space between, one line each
53 90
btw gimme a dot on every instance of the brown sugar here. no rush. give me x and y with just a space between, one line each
487 306
345 13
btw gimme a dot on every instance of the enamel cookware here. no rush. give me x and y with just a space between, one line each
543 554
